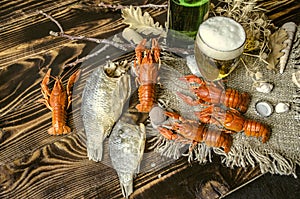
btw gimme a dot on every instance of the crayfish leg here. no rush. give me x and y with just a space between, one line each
66 129
74 78
192 146
46 102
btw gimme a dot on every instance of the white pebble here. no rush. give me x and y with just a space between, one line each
157 116
282 107
264 109
264 87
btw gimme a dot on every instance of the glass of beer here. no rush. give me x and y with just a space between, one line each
219 44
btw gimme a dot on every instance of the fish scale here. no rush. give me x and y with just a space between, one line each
102 104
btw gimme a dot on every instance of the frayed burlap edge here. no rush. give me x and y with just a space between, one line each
242 155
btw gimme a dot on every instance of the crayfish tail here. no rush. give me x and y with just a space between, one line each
257 129
144 108
245 102
227 143
146 97
218 138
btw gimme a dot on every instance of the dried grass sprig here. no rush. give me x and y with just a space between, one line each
251 16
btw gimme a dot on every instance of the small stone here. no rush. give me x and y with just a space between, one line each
282 107
264 87
157 116
264 108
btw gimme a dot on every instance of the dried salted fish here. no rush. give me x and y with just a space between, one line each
126 148
290 28
102 104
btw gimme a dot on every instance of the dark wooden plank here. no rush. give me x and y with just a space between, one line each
19 39
269 187
282 11
36 165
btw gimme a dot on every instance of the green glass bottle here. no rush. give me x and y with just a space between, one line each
185 16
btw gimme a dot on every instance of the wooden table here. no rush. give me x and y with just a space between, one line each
34 164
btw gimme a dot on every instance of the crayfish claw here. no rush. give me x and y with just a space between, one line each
168 134
73 78
173 115
189 100
44 85
156 50
139 51
192 79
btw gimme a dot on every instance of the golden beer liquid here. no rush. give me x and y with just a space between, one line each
214 69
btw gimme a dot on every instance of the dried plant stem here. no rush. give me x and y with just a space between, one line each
119 6
252 74
242 60
248 70
53 20
257 56
121 46
86 57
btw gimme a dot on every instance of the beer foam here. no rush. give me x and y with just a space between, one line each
221 38
222 33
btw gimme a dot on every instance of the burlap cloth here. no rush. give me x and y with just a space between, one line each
280 154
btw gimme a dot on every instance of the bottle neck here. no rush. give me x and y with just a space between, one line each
190 3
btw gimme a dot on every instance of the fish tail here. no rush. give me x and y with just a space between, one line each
95 151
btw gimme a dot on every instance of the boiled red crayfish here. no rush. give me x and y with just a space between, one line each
233 120
213 93
58 101
190 131
146 67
